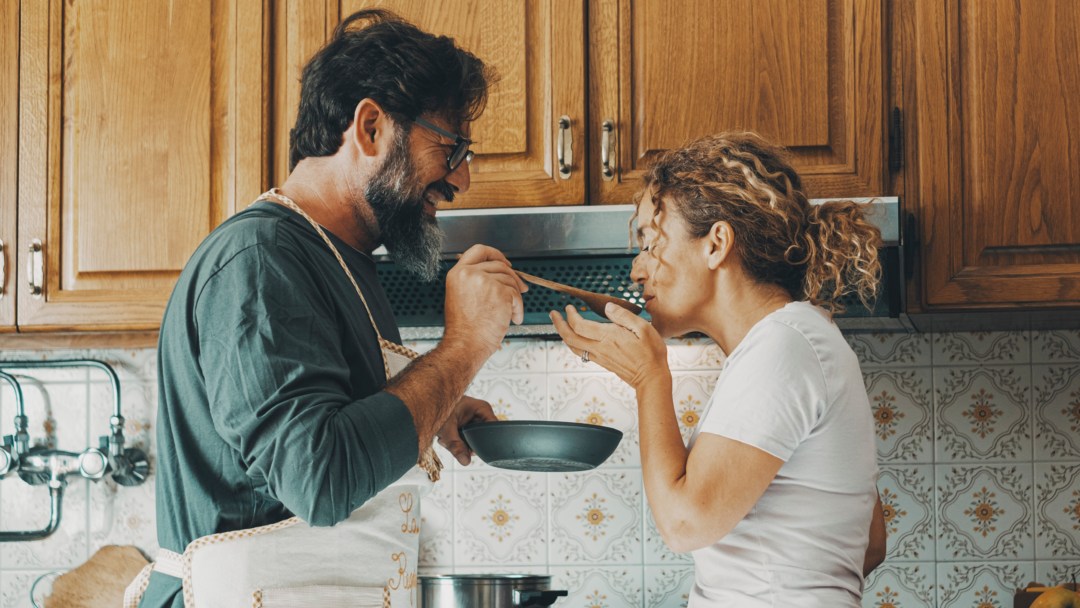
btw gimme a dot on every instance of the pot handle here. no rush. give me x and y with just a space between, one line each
529 599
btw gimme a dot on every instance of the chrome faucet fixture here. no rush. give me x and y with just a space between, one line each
44 466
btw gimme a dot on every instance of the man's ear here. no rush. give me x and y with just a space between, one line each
719 243
371 131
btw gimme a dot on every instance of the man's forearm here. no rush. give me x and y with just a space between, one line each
433 384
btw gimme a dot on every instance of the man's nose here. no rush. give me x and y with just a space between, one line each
459 179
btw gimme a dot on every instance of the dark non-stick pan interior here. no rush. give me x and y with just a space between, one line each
541 445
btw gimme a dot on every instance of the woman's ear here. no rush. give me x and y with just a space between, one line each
719 242
370 131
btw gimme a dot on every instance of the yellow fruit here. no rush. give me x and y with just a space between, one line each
1057 597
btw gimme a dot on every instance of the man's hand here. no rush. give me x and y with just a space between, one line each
467 410
483 295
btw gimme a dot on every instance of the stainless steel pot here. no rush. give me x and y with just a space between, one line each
487 591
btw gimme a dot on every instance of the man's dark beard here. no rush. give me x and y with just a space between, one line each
411 236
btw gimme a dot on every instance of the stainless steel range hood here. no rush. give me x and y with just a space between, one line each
589 247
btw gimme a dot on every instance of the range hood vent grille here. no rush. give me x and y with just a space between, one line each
419 304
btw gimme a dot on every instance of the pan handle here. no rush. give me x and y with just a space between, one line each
529 599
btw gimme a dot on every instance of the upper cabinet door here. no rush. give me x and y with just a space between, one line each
806 74
538 49
141 128
9 154
998 89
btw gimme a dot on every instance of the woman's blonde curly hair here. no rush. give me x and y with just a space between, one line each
815 252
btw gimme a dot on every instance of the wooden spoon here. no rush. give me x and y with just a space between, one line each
595 301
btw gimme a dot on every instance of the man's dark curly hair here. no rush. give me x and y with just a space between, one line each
376 54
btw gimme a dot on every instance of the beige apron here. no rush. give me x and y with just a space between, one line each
367 561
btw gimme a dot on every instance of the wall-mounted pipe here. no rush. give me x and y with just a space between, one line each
129 466
22 434
56 502
116 422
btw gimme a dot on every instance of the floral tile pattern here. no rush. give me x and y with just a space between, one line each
901 586
1055 573
596 517
500 518
15 588
25 507
692 393
694 354
525 355
890 349
436 524
985 512
1057 510
902 406
668 586
656 550
1057 411
123 516
513 397
603 400
907 500
1055 346
983 413
990 348
599 587
978 585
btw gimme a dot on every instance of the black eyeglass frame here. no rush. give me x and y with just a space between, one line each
461 151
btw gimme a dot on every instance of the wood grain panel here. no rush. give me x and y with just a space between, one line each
998 159
538 47
807 74
136 171
1020 92
760 71
135 113
9 156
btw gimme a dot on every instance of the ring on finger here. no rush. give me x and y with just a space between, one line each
584 356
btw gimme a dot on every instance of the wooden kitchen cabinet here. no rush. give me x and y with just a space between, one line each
538 48
142 126
807 74
998 158
9 154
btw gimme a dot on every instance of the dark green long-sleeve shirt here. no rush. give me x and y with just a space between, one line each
269 377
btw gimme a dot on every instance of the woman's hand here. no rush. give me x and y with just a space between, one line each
628 346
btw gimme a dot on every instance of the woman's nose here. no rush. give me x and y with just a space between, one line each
638 272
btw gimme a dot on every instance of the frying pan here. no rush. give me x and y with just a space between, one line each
541 446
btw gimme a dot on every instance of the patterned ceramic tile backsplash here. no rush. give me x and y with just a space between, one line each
978 445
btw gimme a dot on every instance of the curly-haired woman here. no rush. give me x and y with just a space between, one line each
775 495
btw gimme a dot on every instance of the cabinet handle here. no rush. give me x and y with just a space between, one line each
35 268
607 141
3 270
564 147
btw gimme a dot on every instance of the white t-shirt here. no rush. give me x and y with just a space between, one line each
793 388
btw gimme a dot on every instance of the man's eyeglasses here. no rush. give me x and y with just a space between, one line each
461 151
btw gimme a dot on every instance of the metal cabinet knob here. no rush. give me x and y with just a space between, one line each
607 142
564 147
35 268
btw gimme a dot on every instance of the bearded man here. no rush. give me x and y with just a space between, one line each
287 404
